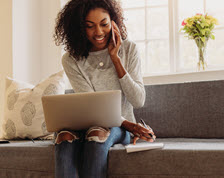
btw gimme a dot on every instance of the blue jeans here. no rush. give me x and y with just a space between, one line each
86 159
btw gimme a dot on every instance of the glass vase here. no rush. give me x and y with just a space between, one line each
201 53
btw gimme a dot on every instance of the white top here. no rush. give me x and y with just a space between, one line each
97 73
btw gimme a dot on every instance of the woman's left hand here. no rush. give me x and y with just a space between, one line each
113 51
139 131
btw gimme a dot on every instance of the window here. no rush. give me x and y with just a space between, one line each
154 25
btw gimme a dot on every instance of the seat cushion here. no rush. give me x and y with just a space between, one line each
27 159
180 157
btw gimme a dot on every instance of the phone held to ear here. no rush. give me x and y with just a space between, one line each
113 36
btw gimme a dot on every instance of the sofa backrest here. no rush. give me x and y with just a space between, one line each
191 110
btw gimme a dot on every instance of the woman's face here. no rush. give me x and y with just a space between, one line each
98 28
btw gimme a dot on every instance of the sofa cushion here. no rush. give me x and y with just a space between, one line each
23 115
179 157
27 159
190 110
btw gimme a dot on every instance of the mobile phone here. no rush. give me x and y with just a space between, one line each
113 36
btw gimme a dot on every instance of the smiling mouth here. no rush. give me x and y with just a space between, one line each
100 40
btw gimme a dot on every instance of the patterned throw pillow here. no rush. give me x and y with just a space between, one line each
23 115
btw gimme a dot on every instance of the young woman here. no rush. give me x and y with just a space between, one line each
94 63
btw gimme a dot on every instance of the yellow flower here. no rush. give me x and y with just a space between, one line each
197 16
208 17
188 22
208 21
212 19
215 21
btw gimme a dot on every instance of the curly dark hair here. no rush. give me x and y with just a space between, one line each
70 24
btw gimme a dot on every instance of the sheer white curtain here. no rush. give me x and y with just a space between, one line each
35 55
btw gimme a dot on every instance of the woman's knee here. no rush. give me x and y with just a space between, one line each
97 134
127 138
68 136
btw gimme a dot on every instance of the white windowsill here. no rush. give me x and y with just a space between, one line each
184 77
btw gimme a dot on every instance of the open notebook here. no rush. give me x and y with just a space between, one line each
142 146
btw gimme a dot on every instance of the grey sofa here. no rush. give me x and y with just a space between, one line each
187 117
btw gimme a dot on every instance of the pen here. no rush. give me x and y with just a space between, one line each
142 121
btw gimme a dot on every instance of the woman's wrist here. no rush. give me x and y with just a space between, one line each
119 67
129 126
115 59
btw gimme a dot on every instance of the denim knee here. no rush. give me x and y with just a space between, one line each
68 136
97 134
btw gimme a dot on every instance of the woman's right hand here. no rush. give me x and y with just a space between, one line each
113 51
139 131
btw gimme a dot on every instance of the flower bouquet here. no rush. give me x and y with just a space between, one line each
199 28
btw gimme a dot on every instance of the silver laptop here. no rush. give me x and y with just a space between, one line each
79 111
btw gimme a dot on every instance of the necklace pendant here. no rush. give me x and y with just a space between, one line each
101 64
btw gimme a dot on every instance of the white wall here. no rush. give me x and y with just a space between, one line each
63 2
50 53
35 55
26 40
5 47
